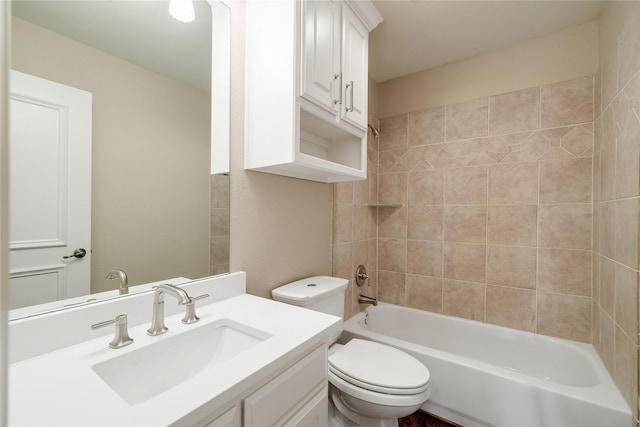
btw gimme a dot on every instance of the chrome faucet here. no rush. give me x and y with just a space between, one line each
157 318
363 299
124 282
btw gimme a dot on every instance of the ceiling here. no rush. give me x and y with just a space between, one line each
417 35
141 32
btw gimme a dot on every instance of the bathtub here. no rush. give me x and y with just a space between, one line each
486 375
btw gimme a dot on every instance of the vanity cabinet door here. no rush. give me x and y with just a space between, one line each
355 65
230 418
315 413
291 395
320 77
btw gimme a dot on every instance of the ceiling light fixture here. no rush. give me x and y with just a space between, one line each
182 10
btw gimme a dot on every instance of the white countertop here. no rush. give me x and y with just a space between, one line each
60 388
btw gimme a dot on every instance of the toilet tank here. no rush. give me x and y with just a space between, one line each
319 293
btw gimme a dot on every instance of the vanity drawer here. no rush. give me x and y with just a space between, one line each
289 392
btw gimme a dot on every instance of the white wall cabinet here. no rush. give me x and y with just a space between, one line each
306 87
334 60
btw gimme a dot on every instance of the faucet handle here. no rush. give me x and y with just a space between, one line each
190 312
121 338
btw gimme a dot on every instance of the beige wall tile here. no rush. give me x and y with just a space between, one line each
606 349
607 229
626 226
343 192
609 76
219 222
607 284
626 301
513 183
341 260
392 188
567 103
632 91
424 293
392 255
465 224
425 223
364 223
512 225
628 52
512 308
564 316
628 159
466 186
343 220
564 271
392 222
595 277
426 187
514 112
424 257
463 261
626 367
391 287
565 226
393 132
467 120
393 160
566 181
608 171
513 266
462 299
426 127
579 141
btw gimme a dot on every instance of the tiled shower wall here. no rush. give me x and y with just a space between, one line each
616 201
219 235
354 229
495 222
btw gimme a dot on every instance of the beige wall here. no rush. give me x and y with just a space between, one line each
280 227
616 201
547 59
150 207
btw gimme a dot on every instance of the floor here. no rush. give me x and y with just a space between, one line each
424 419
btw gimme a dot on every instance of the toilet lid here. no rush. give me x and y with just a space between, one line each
379 367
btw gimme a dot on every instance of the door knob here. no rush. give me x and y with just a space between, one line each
78 253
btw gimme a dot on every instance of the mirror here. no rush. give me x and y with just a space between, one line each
159 139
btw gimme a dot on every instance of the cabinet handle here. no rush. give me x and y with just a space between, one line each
350 87
336 77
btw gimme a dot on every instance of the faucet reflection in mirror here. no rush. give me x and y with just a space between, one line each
122 277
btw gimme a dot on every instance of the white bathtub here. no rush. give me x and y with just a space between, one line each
486 375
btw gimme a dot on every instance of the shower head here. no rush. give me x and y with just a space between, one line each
374 131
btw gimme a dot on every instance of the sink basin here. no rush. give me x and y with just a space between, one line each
144 373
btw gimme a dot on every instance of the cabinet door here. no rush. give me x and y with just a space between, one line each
320 56
231 418
355 63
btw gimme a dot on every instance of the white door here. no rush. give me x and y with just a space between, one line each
355 63
320 74
49 190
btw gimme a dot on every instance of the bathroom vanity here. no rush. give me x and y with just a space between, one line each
248 361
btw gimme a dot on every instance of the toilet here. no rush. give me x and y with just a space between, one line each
370 384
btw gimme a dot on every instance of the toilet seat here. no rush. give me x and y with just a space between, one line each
378 368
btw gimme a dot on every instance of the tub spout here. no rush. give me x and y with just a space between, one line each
363 299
